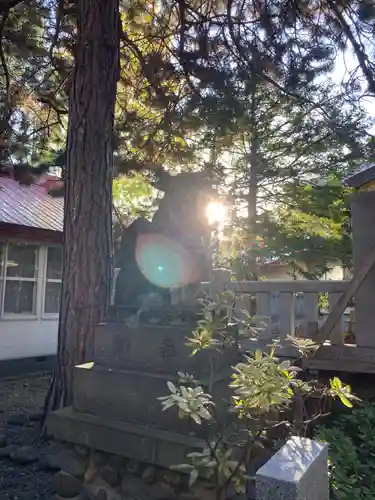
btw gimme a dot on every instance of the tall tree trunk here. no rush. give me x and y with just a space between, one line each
6 105
252 198
88 191
254 167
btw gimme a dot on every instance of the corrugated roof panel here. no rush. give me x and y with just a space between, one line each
362 175
30 206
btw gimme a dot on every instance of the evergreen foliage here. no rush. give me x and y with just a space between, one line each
237 88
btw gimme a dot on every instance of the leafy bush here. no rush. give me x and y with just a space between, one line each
351 440
267 395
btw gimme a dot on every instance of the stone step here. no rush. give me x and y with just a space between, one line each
156 349
132 397
146 444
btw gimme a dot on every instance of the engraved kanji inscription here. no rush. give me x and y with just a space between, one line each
167 349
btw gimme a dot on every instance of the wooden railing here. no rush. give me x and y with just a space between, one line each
283 308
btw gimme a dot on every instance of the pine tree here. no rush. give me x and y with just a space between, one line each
198 82
148 124
310 230
347 26
87 261
272 141
31 116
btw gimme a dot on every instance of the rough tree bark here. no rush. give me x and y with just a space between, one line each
87 262
252 199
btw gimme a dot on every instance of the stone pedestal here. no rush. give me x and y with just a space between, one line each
298 471
115 406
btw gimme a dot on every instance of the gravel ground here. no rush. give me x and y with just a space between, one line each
22 394
24 482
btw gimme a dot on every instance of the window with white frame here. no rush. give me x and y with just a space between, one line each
30 280
52 292
20 279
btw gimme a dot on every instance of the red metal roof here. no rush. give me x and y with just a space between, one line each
30 206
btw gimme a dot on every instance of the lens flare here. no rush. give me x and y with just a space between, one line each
164 262
216 212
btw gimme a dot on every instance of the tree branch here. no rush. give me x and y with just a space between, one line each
360 54
3 61
6 5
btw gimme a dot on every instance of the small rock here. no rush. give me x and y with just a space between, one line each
85 494
3 440
50 462
99 458
119 463
78 497
162 491
67 485
81 450
149 475
134 467
75 467
36 416
134 488
8 450
18 419
101 495
98 485
24 455
65 462
110 475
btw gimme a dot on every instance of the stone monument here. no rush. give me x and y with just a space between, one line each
116 418
167 253
115 407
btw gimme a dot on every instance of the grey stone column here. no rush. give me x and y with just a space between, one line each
298 471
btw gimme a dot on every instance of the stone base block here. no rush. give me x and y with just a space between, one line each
145 444
125 395
298 471
156 349
132 396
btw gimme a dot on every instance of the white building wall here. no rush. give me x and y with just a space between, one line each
29 335
284 273
28 338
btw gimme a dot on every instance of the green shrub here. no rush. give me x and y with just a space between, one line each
351 440
268 402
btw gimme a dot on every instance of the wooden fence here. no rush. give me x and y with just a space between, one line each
291 308
283 307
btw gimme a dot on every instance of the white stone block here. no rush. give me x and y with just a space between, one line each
298 471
